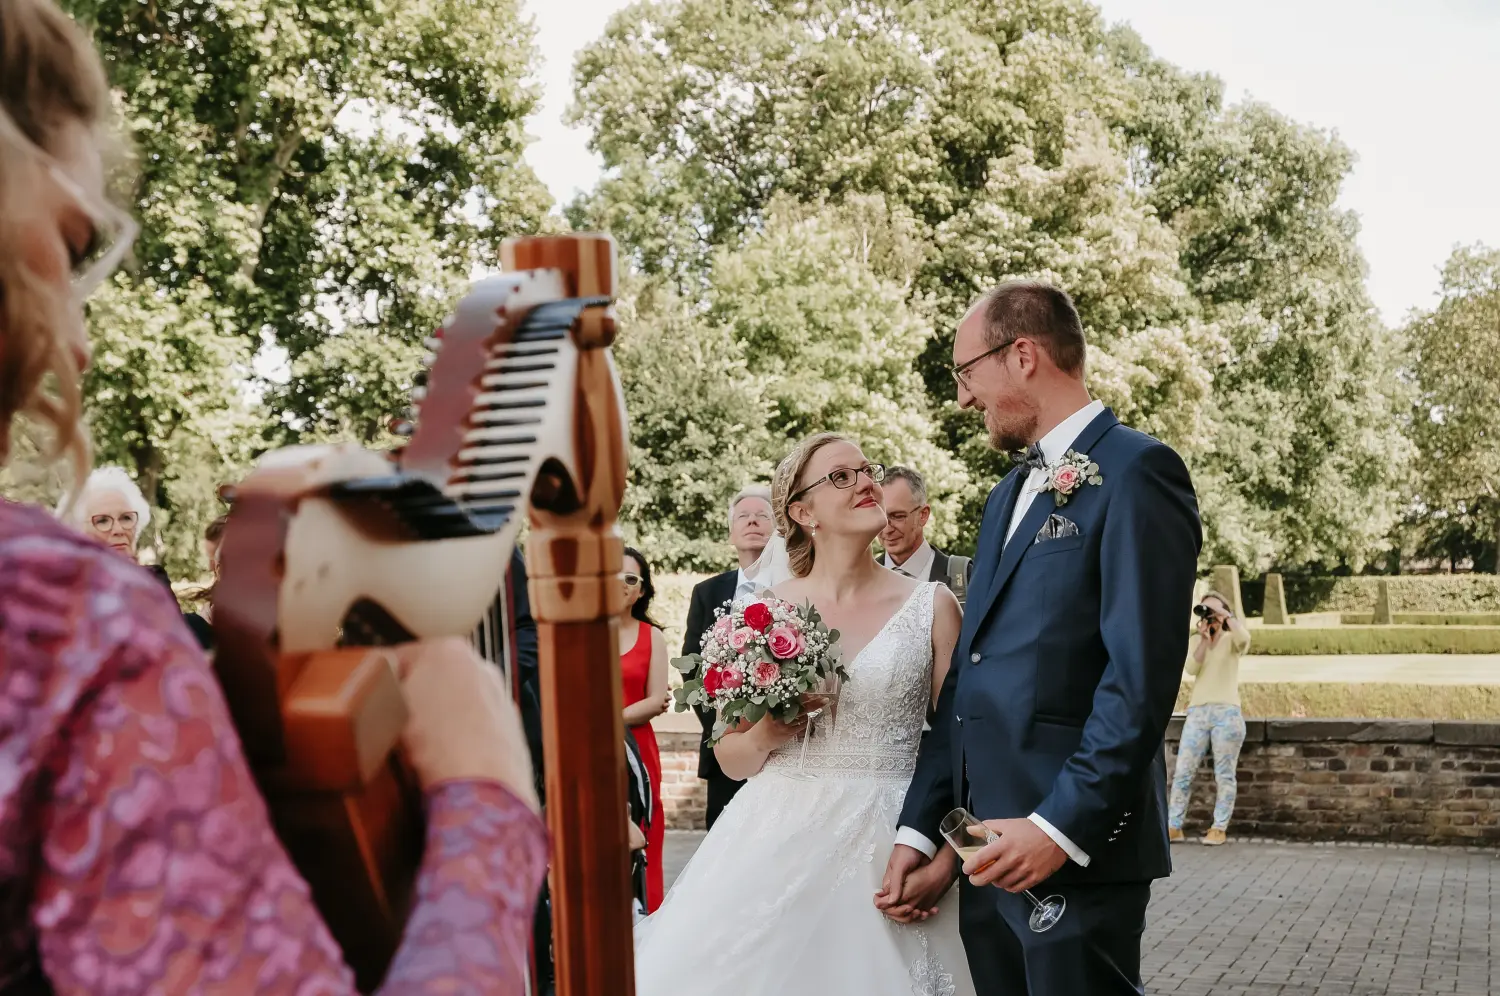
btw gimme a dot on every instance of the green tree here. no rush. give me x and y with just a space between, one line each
1220 287
316 180
1455 362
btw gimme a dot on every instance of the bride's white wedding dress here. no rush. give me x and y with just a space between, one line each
779 898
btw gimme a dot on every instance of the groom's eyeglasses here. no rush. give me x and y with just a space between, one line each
961 372
844 478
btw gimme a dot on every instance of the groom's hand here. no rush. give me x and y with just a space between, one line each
1022 858
903 862
925 887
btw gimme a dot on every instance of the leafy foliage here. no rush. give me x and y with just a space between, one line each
314 181
1219 284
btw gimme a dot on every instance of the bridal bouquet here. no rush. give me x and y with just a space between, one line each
759 658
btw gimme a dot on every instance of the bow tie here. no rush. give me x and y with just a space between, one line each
1032 457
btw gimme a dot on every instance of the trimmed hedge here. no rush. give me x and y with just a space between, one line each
1425 618
1376 640
1409 593
1366 700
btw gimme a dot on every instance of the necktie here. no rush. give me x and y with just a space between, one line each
745 588
902 570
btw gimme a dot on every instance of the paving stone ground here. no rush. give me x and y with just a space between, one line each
1278 919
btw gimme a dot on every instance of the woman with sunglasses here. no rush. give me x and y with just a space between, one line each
643 671
136 855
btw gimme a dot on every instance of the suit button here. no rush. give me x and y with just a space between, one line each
974 658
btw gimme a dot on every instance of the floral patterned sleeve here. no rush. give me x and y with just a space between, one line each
156 867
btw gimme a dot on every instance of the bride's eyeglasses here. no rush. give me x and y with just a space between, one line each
844 478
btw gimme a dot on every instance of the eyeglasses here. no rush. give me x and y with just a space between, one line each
632 580
762 517
845 478
960 372
899 518
114 234
104 523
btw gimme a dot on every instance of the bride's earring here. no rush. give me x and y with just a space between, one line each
813 529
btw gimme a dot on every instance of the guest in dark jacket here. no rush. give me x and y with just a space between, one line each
750 527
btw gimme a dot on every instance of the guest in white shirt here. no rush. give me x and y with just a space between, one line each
905 537
751 526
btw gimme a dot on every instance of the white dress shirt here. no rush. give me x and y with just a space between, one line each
1054 445
744 586
918 565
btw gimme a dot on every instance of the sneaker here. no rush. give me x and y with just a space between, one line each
1215 837
1174 836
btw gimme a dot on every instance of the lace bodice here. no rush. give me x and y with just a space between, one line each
877 723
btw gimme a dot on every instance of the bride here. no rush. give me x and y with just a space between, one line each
780 899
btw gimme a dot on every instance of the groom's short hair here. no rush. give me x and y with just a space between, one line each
1038 311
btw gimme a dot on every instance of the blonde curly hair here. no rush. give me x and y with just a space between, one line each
50 78
799 544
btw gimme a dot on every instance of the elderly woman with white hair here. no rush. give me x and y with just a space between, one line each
111 509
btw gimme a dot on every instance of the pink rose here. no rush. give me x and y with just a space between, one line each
1066 478
740 638
764 673
786 643
731 678
724 626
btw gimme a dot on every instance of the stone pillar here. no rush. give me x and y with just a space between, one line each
1274 613
1382 603
1226 581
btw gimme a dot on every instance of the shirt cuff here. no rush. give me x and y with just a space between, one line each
1059 838
911 838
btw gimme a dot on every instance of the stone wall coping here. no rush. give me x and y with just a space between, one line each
1361 731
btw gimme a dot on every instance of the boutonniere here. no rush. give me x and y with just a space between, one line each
1069 474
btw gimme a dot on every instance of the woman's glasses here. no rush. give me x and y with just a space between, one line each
845 478
127 521
114 234
632 580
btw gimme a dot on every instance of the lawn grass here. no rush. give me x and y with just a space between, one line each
1364 700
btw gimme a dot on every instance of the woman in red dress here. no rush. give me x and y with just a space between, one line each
643 671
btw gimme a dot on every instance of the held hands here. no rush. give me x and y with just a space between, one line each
1022 858
912 885
462 724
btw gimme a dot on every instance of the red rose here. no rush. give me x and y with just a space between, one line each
713 680
758 616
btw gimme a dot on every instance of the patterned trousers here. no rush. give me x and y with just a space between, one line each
1223 728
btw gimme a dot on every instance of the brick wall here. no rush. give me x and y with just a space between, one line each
1400 781
684 796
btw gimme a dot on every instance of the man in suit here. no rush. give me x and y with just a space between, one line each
1050 722
905 536
751 525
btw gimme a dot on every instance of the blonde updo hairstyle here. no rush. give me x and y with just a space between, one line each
50 77
787 482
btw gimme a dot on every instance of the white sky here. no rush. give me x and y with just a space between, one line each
1413 86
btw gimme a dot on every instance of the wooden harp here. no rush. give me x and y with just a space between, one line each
332 550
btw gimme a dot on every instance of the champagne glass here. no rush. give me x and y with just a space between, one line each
828 690
968 836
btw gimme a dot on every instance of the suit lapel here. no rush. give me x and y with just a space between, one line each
1009 556
987 557
939 569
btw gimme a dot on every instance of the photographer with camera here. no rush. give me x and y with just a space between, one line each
1213 716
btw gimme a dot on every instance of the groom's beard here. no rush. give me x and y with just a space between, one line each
1009 433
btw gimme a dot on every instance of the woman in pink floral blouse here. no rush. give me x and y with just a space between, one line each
135 853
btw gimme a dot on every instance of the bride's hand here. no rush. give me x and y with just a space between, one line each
919 889
770 733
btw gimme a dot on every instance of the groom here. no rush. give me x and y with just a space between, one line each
1051 719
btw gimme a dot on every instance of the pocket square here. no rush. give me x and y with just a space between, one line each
1056 527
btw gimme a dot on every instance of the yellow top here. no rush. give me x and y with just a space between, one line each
1217 679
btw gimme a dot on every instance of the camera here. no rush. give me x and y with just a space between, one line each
1203 611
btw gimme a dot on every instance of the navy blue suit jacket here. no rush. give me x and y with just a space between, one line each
1069 661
